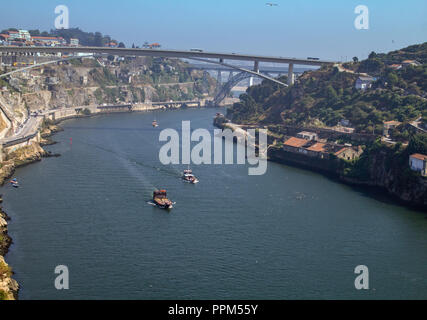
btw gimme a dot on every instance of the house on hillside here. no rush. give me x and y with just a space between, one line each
390 125
318 149
307 135
414 63
294 144
74 42
418 162
349 153
344 122
364 82
395 66
49 41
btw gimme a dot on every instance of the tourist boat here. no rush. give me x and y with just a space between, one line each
154 123
188 176
160 199
14 183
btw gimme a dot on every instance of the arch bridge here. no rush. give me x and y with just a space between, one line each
206 57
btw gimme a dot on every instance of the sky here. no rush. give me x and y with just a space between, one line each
297 28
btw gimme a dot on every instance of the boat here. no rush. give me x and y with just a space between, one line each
14 183
154 123
160 199
188 176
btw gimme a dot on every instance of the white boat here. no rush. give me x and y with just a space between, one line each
189 177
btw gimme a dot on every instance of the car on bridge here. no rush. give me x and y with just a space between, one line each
196 50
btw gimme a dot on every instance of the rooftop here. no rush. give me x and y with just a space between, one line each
306 133
419 156
295 142
342 150
317 147
366 78
47 38
392 122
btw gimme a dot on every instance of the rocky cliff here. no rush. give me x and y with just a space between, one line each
88 82
8 286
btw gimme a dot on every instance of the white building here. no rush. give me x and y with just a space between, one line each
24 34
307 135
345 122
74 42
418 162
364 82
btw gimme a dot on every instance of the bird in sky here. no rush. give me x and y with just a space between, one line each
271 4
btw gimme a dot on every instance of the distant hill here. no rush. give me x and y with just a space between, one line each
96 39
93 39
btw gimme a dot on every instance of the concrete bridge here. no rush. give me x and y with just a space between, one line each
208 57
212 58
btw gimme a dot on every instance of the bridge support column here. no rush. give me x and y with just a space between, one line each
256 66
291 74
219 77
251 81
230 75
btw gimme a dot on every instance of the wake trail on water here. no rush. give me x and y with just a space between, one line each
126 160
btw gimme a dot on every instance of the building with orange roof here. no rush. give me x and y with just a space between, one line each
395 66
318 149
349 153
294 144
411 63
49 40
390 125
418 162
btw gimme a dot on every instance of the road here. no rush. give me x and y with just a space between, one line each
164 53
30 127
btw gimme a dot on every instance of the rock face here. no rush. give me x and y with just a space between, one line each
5 240
8 286
86 83
406 187
28 154
20 157
410 189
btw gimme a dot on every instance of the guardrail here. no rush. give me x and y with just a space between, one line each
19 140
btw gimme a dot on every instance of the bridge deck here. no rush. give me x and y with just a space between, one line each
163 53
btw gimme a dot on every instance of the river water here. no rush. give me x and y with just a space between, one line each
288 234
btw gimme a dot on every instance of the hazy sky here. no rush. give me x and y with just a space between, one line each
298 28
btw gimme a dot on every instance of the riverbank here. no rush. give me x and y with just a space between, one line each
388 180
8 287
29 154
334 169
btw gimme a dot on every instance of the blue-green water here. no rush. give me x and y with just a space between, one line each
288 234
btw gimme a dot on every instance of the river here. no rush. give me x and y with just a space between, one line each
288 234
